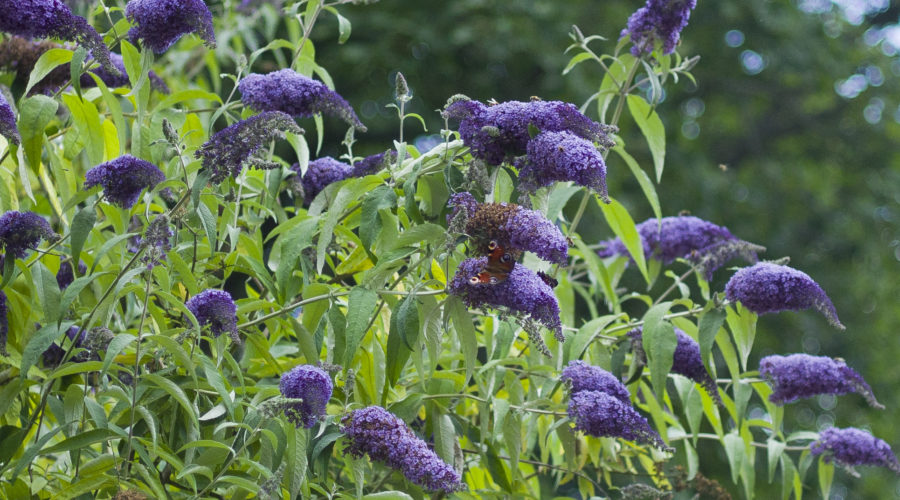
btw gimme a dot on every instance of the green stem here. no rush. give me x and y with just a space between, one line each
134 378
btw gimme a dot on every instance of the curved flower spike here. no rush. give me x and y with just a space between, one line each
160 23
850 446
801 376
124 178
766 288
603 415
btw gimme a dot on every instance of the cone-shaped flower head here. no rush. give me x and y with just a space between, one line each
513 227
685 361
66 275
686 237
373 164
850 446
8 126
52 19
604 415
297 95
4 323
658 20
523 293
120 80
160 23
217 309
585 377
380 434
228 150
495 133
766 288
562 156
312 385
319 174
22 231
799 376
124 178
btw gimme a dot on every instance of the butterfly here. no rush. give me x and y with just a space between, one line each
499 264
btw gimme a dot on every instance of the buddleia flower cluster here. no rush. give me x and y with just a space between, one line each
228 150
800 376
849 447
217 309
66 274
295 94
52 19
766 288
312 386
157 240
601 406
158 24
686 237
326 170
381 435
548 141
22 231
659 21
686 360
124 178
8 126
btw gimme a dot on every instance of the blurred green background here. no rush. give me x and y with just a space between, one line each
789 138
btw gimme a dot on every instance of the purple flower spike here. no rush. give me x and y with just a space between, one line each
160 23
313 386
850 446
685 361
603 415
658 20
66 275
380 434
4 323
124 178
52 19
319 174
495 133
297 95
585 377
686 237
766 288
532 231
8 126
801 376
228 150
22 231
563 156
523 293
373 164
217 309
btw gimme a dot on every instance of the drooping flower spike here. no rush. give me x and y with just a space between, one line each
297 95
559 157
686 237
52 19
584 377
217 309
800 376
381 435
228 150
158 24
603 415
849 447
766 288
124 178
319 174
312 385
658 21
22 231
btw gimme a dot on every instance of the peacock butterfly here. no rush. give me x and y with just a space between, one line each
500 263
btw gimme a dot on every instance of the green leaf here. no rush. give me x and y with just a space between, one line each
344 27
176 392
426 232
313 311
342 200
574 61
185 95
82 224
82 440
71 292
360 307
296 457
623 226
774 450
465 332
734 450
652 128
34 115
642 178
659 341
826 477
388 495
48 292
76 68
45 64
209 223
87 129
115 346
402 337
369 221
708 327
